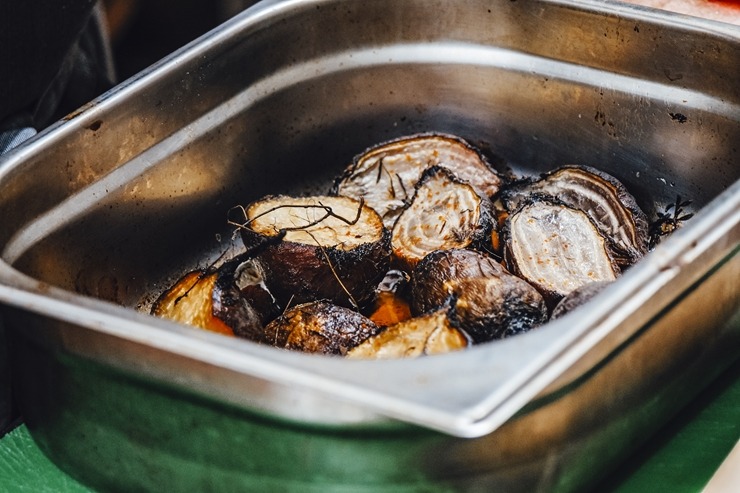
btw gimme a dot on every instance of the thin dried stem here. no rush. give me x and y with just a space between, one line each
334 273
328 212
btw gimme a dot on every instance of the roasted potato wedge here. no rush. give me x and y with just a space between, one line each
323 247
319 327
428 334
386 174
444 213
606 201
556 248
490 302
210 300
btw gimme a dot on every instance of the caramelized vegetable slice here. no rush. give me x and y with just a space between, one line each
556 248
444 213
210 300
490 302
319 327
602 197
385 175
322 247
432 333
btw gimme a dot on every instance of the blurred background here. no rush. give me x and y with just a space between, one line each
143 31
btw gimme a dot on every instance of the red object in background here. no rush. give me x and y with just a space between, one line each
727 3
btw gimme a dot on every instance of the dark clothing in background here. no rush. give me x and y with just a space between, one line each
54 58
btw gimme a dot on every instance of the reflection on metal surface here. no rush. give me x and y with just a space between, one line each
100 211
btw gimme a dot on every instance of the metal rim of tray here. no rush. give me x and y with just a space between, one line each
445 393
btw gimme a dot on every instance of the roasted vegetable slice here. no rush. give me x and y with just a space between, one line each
322 247
210 300
556 248
602 197
432 333
385 175
490 302
319 327
444 213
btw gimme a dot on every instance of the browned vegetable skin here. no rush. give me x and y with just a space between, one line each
210 300
428 334
444 213
601 196
319 327
385 175
577 297
490 302
324 247
556 248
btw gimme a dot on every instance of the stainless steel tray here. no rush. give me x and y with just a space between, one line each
107 207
